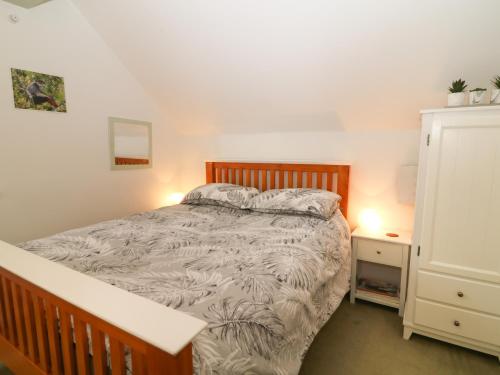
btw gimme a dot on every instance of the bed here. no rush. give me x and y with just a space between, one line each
263 283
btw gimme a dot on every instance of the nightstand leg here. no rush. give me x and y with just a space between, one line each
407 333
354 264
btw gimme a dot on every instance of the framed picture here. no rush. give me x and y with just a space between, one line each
42 92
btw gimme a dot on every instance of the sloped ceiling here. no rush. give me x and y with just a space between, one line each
287 65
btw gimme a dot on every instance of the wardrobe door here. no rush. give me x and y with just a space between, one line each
461 228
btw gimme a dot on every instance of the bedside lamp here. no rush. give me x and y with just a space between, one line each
173 199
370 220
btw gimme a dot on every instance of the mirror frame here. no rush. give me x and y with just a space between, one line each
112 121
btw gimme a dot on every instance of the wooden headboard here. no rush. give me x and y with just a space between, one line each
265 176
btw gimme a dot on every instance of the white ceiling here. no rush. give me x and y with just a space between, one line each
287 65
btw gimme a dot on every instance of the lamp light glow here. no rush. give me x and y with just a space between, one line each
173 198
369 219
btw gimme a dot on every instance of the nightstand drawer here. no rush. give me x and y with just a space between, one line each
460 292
380 252
457 321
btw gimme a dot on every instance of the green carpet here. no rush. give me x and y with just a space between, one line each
366 338
4 370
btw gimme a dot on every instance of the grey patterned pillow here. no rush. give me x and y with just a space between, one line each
312 202
227 195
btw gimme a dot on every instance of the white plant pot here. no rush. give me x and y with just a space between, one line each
477 97
495 96
456 99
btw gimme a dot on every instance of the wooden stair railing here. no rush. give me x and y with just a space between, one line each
41 333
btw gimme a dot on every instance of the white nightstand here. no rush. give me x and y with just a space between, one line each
387 259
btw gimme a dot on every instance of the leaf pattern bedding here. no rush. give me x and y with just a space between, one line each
265 283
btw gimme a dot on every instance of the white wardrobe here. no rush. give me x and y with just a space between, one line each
454 283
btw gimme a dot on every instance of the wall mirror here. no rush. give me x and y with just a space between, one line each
130 143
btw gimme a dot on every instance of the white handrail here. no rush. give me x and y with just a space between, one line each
165 328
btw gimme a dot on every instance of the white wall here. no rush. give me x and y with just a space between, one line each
274 80
348 78
375 157
54 167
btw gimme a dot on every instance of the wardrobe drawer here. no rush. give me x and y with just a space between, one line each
380 252
459 292
457 321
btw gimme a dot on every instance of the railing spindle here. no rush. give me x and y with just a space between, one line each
99 355
29 321
117 357
41 333
54 341
138 364
19 318
3 318
82 347
67 343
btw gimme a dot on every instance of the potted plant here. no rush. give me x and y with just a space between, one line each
477 96
495 92
456 97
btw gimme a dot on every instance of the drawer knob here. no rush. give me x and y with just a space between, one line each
379 252
456 323
460 294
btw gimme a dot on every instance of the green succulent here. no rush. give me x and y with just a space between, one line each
477 89
458 86
496 82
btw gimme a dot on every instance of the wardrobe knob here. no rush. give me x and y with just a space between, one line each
456 323
460 294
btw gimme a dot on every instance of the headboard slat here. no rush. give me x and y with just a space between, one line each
299 178
308 180
290 179
282 180
272 173
319 180
256 174
337 176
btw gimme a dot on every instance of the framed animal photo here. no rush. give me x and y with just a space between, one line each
38 91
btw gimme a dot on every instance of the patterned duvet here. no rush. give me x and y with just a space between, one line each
265 283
